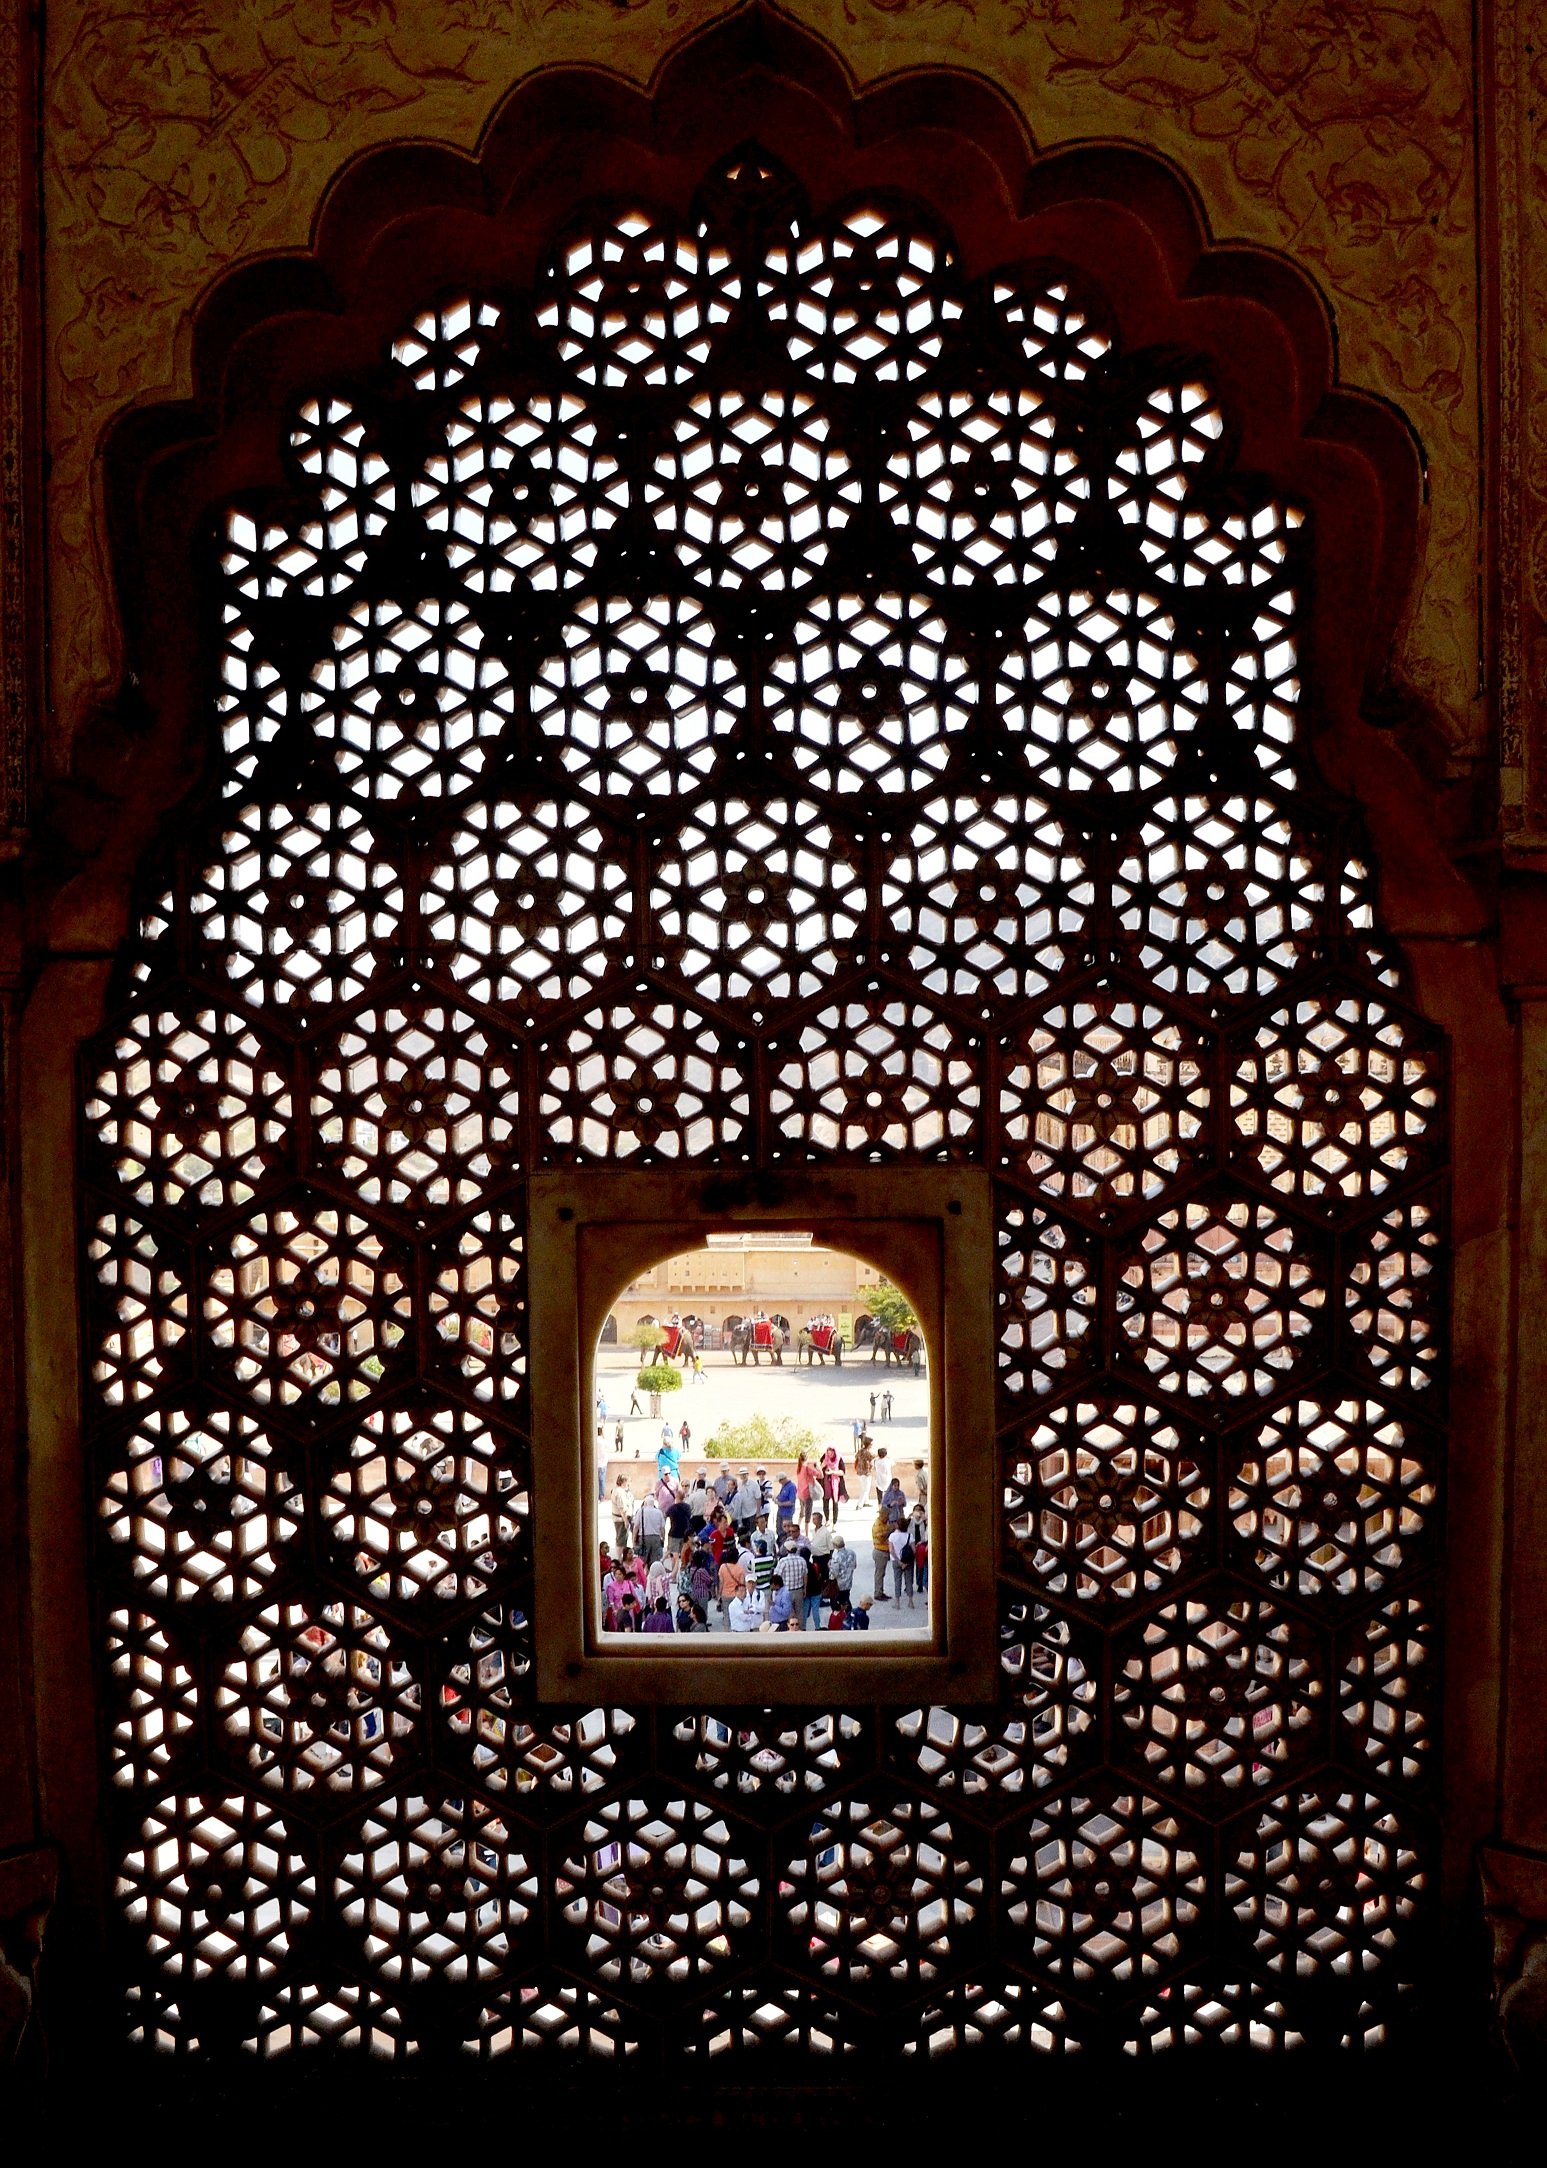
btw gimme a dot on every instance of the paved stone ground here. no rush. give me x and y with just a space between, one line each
824 1398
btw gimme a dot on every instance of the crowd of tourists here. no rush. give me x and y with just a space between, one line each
739 1553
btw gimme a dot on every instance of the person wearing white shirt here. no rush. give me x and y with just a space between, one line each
748 1612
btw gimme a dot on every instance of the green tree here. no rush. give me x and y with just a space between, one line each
891 1309
647 1335
658 1378
757 1440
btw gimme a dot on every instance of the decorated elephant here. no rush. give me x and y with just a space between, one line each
899 1347
676 1343
817 1340
756 1337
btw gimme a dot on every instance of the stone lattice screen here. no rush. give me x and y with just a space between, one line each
765 698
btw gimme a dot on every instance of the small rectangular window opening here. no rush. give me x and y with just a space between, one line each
786 1320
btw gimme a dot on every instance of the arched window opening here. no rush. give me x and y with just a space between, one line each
767 698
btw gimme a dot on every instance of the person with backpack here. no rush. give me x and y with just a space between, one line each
649 1530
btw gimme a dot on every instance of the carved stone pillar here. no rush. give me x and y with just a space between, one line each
27 1886
1515 1907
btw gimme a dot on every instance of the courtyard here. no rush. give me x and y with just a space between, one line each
825 1400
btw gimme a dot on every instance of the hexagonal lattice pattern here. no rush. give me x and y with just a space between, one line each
281 561
317 1701
1336 1098
477 1307
1324 1880
875 1077
216 1887
1100 691
757 903
1103 1100
1176 429
416 1103
882 1895
637 699
1333 1497
639 743
1392 1293
306 1303
1051 1680
1104 1888
1051 327
1262 686
546 1762
871 694
524 494
766 1760
428 1501
635 302
556 2016
988 1758
437 1888
1219 1694
344 2017
643 1080
1009 2015
1221 1299
299 905
1387 1690
1105 1499
989 897
1046 1291
1203 544
1198 2014
412 703
1220 898
139 1308
751 489
655 1891
970 486
193 1110
202 1504
867 296
528 905
153 1704
445 344
774 2017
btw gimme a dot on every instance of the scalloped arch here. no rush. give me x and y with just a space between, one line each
403 221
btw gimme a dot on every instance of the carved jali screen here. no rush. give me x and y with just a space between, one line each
765 698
